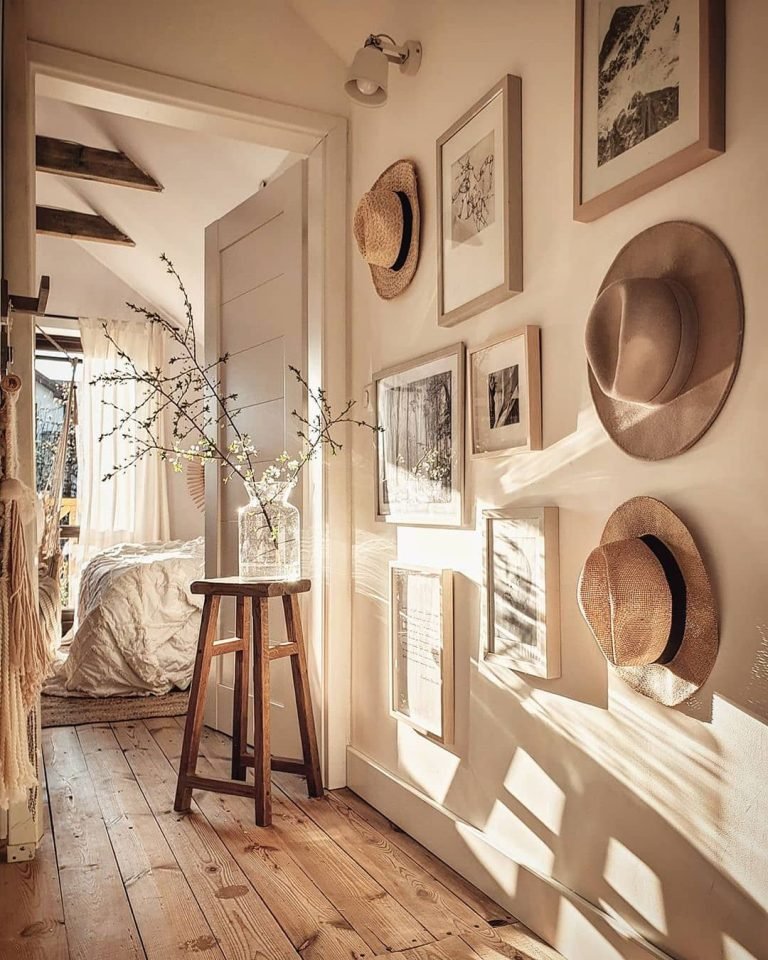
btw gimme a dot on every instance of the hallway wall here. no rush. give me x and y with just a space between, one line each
655 815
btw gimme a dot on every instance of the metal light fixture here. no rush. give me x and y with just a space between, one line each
367 76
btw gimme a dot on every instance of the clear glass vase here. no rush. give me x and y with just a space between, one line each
270 534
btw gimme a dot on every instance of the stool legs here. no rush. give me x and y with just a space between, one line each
303 697
240 701
262 750
195 713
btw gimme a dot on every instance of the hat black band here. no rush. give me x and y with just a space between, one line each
405 241
679 593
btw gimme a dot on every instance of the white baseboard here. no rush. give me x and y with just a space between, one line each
574 926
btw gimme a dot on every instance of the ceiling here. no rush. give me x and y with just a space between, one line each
203 177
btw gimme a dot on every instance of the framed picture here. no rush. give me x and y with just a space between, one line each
421 637
650 96
505 394
523 590
479 206
420 450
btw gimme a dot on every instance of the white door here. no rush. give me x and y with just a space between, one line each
256 313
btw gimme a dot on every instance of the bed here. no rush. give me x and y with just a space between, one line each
137 623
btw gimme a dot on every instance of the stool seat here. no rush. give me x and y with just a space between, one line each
251 628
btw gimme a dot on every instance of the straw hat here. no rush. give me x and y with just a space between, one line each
646 596
664 338
386 228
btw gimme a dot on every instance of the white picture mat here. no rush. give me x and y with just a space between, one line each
678 135
477 265
484 361
449 512
418 635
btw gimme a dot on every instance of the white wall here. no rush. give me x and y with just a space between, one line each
656 814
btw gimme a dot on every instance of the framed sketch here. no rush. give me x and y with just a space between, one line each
650 96
505 394
420 450
421 637
479 206
523 590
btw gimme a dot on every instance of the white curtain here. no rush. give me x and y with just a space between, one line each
131 507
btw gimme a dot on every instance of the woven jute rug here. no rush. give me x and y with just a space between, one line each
70 711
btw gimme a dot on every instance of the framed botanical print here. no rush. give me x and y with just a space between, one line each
523 590
420 448
505 394
479 206
421 648
650 96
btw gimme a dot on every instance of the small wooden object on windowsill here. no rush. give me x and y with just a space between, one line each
252 618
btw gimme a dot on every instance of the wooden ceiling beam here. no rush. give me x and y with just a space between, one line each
79 226
69 159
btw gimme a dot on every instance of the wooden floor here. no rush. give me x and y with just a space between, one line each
120 876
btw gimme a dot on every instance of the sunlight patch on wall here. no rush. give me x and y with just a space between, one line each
535 790
425 763
530 849
734 951
578 937
636 884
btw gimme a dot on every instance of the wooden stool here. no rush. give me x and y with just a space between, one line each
253 618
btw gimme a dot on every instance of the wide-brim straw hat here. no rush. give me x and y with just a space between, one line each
647 598
387 226
669 313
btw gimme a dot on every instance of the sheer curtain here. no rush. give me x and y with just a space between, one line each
131 507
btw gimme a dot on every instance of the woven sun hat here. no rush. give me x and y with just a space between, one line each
386 227
647 598
663 339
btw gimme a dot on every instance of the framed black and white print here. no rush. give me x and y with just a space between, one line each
650 96
505 394
420 449
421 638
523 590
479 206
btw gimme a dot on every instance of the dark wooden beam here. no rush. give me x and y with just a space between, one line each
79 226
70 159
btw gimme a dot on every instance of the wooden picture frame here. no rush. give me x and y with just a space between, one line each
410 475
706 85
499 111
522 550
519 354
415 638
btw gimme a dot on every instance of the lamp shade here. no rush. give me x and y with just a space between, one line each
367 77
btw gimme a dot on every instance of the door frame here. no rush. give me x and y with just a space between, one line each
323 139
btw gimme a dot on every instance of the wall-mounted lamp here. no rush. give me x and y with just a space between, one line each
367 76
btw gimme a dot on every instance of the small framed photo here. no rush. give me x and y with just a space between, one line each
420 449
523 590
421 632
479 206
505 394
650 96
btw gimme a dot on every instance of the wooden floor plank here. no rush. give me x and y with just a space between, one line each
451 948
437 908
168 917
91 886
372 912
237 916
31 912
311 921
514 942
475 899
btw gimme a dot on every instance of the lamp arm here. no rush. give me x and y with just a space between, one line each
391 50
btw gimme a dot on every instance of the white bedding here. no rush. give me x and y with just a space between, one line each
137 622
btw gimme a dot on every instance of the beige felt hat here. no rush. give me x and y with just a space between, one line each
646 596
386 227
663 339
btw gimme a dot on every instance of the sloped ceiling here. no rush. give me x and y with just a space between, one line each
203 178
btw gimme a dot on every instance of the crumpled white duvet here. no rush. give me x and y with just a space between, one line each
137 622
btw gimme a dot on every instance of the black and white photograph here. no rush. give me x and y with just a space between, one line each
420 408
505 394
638 73
479 204
473 200
522 584
650 97
504 397
421 637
